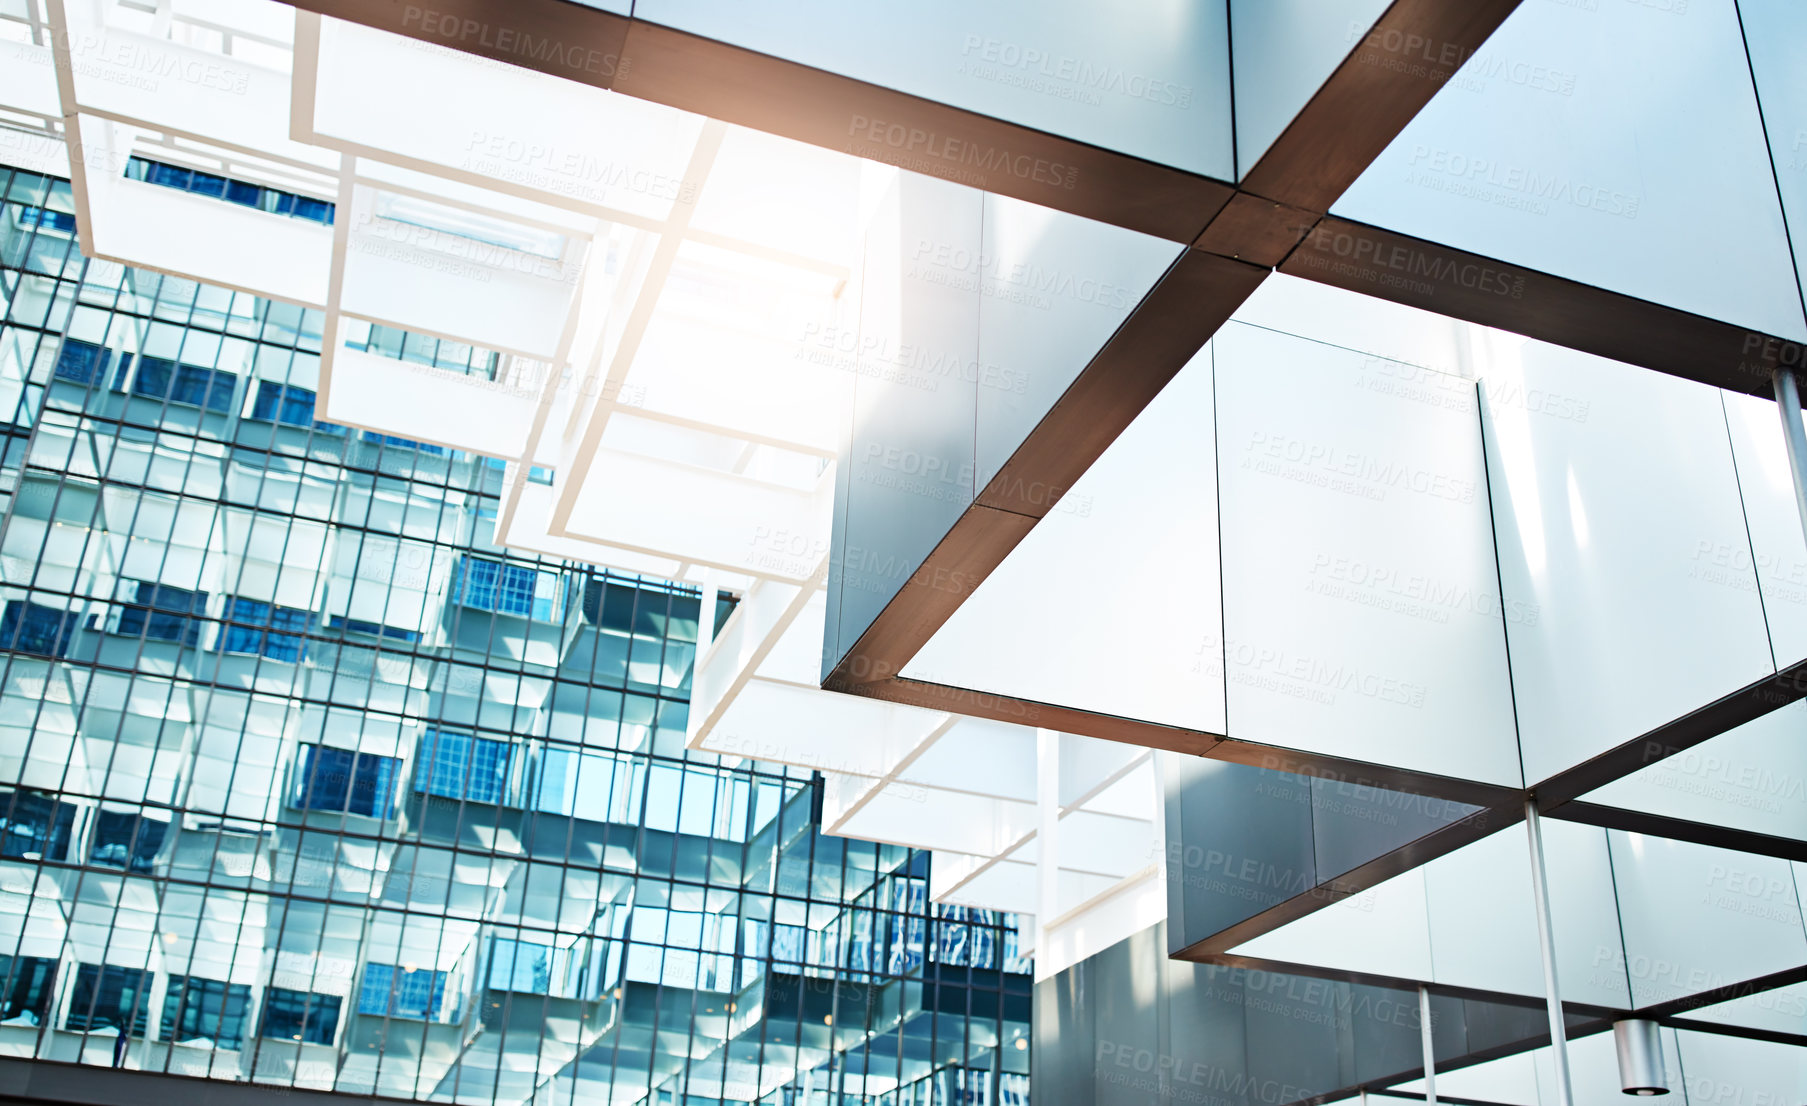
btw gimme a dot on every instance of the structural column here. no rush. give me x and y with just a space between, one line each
1788 403
1429 1041
1546 939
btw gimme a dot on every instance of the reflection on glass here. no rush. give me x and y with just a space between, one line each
360 802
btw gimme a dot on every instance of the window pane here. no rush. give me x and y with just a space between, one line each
300 1016
34 826
81 362
33 628
29 985
339 779
458 766
126 840
109 997
197 1011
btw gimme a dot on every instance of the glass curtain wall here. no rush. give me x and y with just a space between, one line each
303 782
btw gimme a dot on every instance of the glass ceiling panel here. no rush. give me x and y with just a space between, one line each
1615 144
1285 50
1152 81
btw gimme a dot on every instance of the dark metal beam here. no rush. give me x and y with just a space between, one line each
726 82
1214 948
1559 797
1477 289
1678 829
1679 735
1187 305
1276 217
1412 50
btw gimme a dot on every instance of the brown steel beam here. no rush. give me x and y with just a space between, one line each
1275 218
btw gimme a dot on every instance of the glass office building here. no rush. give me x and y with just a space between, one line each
772 540
305 783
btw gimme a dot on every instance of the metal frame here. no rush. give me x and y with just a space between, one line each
1275 219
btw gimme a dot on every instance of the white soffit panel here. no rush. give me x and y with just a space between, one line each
1752 778
1361 606
1615 144
1777 546
1111 603
1384 930
1484 928
1151 81
1738 918
1611 509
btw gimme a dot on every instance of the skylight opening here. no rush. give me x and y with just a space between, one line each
471 225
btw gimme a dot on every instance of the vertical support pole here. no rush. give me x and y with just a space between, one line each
1788 403
1546 938
1047 833
1430 1056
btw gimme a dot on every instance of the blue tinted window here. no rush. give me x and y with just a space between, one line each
34 826
153 377
283 403
161 379
328 778
45 219
27 627
375 629
196 1009
520 966
126 840
110 997
389 991
509 589
403 443
209 388
234 191
318 211
238 192
255 628
28 986
424 349
162 614
459 766
300 1016
169 176
82 362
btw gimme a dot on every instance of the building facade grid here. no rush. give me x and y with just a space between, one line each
304 782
